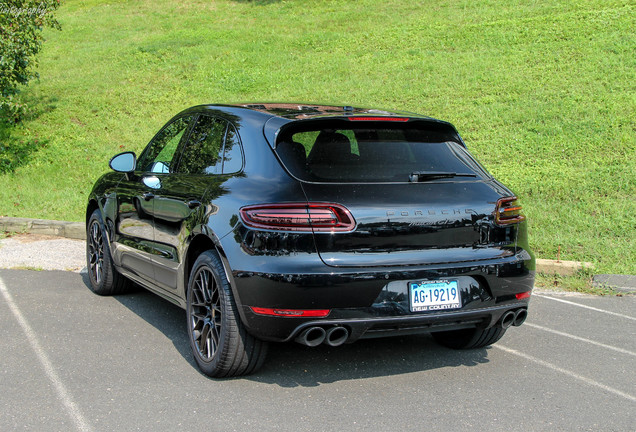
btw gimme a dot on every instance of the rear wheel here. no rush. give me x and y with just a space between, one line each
220 344
469 338
104 278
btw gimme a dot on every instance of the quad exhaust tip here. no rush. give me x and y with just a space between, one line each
507 319
336 336
520 317
314 336
513 318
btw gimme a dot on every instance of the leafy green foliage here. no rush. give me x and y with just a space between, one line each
542 92
21 24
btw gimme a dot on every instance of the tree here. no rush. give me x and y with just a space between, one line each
21 24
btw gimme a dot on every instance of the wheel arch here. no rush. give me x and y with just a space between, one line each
199 244
90 208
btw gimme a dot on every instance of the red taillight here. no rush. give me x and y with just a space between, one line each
391 119
523 295
319 217
303 313
508 211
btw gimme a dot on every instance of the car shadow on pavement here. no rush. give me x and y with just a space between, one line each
293 365
166 317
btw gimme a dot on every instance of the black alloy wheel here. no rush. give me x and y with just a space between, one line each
95 251
221 345
205 313
104 278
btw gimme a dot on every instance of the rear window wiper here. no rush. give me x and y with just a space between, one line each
419 176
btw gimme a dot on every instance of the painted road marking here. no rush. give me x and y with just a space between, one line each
571 336
566 372
64 395
586 307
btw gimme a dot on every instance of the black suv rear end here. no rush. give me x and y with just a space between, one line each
412 234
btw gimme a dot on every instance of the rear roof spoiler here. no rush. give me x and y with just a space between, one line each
273 126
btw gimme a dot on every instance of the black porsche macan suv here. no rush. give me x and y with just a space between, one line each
319 224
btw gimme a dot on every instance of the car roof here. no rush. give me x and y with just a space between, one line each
299 111
302 111
272 116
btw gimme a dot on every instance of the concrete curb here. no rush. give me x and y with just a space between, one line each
72 230
563 268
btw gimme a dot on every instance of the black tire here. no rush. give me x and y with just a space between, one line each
220 344
104 279
469 338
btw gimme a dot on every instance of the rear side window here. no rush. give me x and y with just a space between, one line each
213 147
233 152
202 153
344 151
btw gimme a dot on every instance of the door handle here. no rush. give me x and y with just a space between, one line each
194 203
148 196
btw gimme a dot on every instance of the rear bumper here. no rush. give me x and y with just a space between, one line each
374 302
364 327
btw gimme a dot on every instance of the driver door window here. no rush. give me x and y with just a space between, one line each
159 156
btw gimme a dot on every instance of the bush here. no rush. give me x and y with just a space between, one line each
21 24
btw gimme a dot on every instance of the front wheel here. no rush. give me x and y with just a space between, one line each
220 344
469 338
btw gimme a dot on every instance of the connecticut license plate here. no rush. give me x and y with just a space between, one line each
434 295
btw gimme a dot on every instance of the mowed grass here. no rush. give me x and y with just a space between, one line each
542 93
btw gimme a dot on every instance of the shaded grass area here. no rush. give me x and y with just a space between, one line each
542 93
17 143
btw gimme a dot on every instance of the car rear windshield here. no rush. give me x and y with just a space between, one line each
347 151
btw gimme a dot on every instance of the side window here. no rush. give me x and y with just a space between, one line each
203 149
233 154
159 156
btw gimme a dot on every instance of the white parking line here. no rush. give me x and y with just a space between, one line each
571 336
567 372
586 307
64 395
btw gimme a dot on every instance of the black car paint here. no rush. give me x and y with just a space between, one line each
157 223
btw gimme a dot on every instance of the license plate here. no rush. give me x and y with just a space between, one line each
434 295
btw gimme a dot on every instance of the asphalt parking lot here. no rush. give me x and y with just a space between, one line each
71 360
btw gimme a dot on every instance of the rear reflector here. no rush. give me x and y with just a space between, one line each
523 295
390 119
316 217
303 313
508 211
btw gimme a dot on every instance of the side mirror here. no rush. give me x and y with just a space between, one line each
125 162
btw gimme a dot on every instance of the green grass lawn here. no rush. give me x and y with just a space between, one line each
542 92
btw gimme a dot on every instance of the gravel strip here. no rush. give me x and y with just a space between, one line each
42 252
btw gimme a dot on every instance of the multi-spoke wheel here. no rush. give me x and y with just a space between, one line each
205 317
220 344
104 278
95 245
